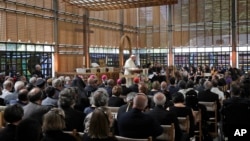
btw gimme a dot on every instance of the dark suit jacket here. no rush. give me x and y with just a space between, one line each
136 124
8 133
125 90
35 111
57 135
208 96
165 117
74 119
134 88
115 101
123 109
236 114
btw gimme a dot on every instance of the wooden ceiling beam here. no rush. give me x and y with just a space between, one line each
101 5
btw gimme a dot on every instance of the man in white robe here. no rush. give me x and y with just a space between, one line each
130 63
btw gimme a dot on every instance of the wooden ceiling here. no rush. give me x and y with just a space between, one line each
101 5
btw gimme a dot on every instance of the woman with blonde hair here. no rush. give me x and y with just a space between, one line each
53 125
99 126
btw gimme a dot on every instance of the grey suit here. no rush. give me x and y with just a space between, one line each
35 111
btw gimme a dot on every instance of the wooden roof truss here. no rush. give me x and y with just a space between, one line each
101 5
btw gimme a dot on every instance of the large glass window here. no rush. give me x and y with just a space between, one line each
22 58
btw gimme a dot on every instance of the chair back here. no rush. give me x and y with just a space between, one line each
212 107
120 138
78 135
114 111
168 133
184 123
198 122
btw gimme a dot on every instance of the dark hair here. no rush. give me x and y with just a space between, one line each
182 84
123 80
50 91
28 130
214 82
172 80
190 84
178 97
13 113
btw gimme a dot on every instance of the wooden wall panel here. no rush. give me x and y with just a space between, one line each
11 27
3 27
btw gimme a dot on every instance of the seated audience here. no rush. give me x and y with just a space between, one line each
136 124
99 125
73 118
12 115
34 109
49 100
164 117
155 88
23 97
29 130
182 111
53 125
128 106
125 89
235 113
134 86
99 98
115 100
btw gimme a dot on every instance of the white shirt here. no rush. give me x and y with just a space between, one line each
5 93
129 64
218 92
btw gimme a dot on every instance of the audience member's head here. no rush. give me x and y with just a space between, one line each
19 85
28 130
32 80
111 82
13 114
100 123
57 83
156 85
190 84
100 97
116 90
8 85
178 98
54 120
35 95
172 80
123 80
23 95
50 91
208 85
136 80
215 82
202 81
140 101
235 89
66 98
29 86
159 99
143 88
182 84
40 83
164 85
130 96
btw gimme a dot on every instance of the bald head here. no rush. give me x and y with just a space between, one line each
35 95
140 101
159 99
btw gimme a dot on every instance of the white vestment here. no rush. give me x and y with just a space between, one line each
128 65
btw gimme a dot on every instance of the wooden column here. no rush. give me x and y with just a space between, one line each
170 36
56 57
86 39
234 53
